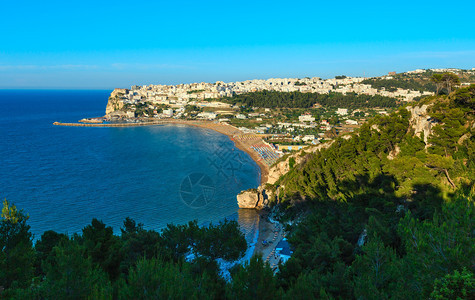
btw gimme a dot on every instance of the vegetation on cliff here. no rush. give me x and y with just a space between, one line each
387 213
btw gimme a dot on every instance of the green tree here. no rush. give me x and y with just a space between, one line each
102 246
224 240
16 248
178 240
450 128
459 285
441 164
156 279
71 274
137 243
376 271
465 97
253 280
450 81
44 247
438 79
439 246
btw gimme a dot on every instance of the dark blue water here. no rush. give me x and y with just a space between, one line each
65 176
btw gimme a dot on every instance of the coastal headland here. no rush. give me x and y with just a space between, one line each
230 131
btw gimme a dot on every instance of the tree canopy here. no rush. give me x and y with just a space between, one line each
273 99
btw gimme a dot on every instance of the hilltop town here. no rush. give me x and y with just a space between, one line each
191 94
334 111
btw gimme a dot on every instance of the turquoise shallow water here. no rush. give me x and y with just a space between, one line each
65 176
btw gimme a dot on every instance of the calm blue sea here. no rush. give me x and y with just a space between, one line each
65 176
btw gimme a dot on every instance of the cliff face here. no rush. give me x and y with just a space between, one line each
420 121
252 198
260 198
278 170
115 103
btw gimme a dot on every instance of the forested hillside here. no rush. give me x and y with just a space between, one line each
425 81
387 146
273 99
387 213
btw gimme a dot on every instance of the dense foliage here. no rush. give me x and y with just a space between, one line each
273 99
392 85
388 214
386 149
180 262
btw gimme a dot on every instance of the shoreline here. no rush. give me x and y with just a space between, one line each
230 131
225 129
273 233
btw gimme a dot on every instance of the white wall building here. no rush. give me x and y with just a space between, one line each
306 118
168 113
342 111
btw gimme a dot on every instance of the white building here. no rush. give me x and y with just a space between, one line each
342 111
306 118
207 115
168 113
308 138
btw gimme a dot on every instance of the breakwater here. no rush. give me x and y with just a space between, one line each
108 124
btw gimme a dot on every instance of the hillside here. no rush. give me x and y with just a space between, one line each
416 80
389 212
272 99
425 143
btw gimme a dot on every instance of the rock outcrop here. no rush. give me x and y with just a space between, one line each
278 170
420 121
251 199
260 198
115 102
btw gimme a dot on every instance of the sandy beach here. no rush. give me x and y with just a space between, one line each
272 233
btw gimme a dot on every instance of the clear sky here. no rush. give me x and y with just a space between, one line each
107 44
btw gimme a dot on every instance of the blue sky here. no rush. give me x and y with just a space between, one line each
86 44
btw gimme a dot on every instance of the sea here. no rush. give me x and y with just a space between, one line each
63 177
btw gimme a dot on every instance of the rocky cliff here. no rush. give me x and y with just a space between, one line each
248 199
420 121
115 102
252 198
278 170
260 197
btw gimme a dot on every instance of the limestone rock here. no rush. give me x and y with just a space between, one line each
250 199
278 170
420 121
394 153
115 103
321 146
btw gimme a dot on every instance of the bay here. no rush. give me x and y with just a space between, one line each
65 176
